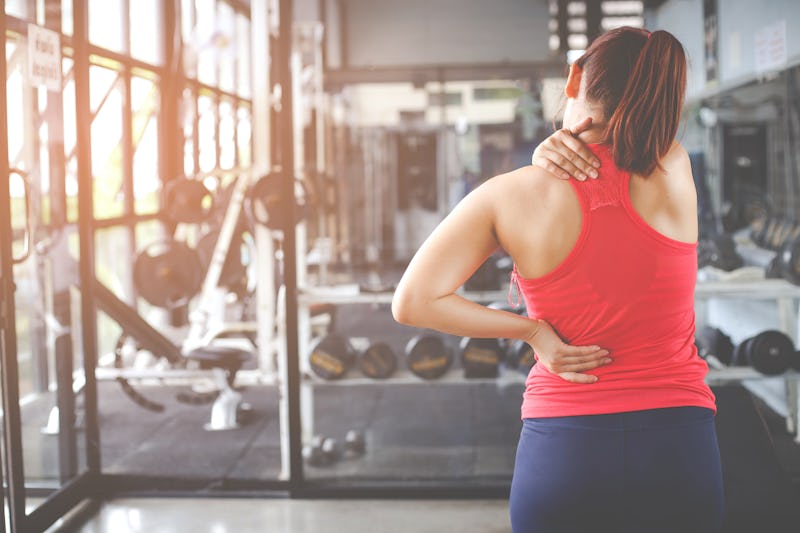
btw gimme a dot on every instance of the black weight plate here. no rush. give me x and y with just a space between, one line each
269 206
770 352
480 357
331 357
167 273
187 201
428 357
378 361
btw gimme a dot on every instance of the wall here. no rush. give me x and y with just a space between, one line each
738 22
425 32
684 19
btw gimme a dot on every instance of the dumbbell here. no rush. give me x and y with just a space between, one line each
770 352
758 228
790 261
427 356
354 443
719 252
713 341
331 356
481 357
782 234
768 236
377 361
519 356
321 451
774 268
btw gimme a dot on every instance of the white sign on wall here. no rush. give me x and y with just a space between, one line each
44 58
770 47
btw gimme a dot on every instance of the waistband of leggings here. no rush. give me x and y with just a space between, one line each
646 419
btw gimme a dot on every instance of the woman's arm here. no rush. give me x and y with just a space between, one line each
426 295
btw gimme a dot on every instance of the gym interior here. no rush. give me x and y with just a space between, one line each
210 203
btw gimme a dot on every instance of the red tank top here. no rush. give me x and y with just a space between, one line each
629 289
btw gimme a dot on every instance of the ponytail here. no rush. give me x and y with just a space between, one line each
640 79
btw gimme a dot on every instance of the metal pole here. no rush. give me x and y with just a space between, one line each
88 314
285 132
12 429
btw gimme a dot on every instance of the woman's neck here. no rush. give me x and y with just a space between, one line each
595 133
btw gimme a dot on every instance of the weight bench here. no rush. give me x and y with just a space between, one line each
223 361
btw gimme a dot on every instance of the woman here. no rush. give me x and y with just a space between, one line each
618 432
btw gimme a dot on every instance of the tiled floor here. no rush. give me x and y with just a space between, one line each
171 515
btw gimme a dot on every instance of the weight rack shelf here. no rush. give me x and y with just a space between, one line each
405 377
784 293
762 289
715 377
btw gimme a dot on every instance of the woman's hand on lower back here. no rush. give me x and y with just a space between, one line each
564 155
566 361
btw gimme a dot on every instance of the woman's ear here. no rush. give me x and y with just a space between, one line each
573 81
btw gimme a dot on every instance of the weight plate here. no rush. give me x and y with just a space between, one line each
269 206
167 273
187 200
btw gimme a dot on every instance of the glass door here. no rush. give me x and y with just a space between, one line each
41 357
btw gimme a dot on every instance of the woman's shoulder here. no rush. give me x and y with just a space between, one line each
528 180
675 174
677 160
667 199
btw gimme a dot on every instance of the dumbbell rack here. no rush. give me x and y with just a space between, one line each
784 293
787 297
351 294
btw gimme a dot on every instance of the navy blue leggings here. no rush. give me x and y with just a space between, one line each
639 472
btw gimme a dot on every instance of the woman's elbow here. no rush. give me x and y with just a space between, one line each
403 308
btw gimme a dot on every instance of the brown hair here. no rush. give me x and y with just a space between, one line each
639 78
